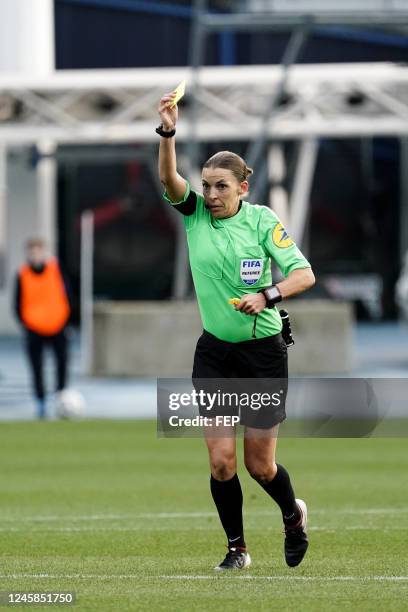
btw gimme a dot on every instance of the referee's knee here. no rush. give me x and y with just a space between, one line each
262 472
223 468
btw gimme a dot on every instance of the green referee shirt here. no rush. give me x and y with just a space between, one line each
232 257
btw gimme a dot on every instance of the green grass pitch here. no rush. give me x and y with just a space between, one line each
125 519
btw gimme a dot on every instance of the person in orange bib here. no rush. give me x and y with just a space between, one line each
43 308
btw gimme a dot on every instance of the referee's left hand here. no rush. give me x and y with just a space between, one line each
251 303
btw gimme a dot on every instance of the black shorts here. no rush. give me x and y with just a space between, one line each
248 368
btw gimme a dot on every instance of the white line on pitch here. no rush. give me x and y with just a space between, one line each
214 576
206 527
176 515
301 578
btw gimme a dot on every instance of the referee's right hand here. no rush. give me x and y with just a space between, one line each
168 113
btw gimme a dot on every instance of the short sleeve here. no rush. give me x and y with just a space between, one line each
186 194
279 245
187 206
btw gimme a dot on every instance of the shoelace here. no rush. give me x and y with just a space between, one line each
234 552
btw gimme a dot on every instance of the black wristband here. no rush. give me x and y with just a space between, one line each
272 295
160 130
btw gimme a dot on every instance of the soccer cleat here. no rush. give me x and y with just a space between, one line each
296 541
235 559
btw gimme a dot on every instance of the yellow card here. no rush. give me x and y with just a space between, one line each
179 91
234 301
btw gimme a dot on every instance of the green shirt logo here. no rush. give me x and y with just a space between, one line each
251 270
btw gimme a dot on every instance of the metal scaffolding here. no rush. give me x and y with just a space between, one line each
226 104
107 106
261 105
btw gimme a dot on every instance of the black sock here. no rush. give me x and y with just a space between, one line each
227 496
280 489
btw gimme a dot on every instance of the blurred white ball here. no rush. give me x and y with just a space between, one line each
70 404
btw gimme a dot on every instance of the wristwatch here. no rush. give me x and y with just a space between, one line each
160 130
272 295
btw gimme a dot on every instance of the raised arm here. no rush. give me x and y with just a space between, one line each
174 184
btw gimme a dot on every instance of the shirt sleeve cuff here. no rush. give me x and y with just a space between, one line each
299 265
186 194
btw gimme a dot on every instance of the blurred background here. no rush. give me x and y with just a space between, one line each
314 95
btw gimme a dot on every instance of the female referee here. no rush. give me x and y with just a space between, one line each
231 243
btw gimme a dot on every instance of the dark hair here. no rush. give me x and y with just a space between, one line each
230 161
